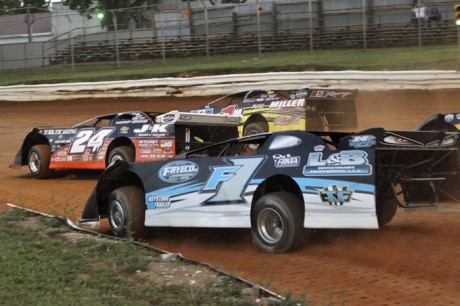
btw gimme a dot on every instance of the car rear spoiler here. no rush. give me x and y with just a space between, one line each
331 109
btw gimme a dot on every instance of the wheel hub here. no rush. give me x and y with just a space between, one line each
270 225
34 162
117 216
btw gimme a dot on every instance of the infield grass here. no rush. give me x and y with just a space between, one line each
39 267
410 58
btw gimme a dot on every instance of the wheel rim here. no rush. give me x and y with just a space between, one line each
34 162
115 158
270 225
252 147
117 216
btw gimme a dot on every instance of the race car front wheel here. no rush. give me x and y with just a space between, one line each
277 223
39 161
127 212
123 153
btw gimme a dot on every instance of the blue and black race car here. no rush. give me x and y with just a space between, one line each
292 182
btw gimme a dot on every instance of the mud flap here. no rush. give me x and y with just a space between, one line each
90 215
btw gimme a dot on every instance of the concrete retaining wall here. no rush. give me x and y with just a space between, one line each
225 84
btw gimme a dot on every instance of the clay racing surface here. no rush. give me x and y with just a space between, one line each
412 261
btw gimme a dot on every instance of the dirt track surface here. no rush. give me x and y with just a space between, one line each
412 261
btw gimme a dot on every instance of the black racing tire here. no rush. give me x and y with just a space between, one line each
252 129
126 212
277 223
39 161
123 153
386 203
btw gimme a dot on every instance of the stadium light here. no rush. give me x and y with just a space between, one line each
100 15
457 14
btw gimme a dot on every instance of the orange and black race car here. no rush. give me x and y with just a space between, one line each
127 136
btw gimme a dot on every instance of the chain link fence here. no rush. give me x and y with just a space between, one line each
209 27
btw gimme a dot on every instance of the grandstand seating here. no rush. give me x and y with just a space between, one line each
377 36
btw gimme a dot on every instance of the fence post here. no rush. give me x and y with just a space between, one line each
72 57
364 25
311 25
259 47
1 58
206 29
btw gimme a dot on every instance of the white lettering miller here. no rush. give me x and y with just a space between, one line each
288 103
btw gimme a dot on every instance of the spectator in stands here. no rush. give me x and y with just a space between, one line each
418 13
435 15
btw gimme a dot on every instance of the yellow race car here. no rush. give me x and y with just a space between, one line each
277 110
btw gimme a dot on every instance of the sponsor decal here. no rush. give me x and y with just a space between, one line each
362 141
178 171
330 93
335 195
258 106
185 117
449 118
352 162
457 116
157 201
203 111
59 132
140 118
146 151
124 130
301 94
63 141
149 130
140 121
319 148
169 118
166 143
123 122
157 151
167 151
151 143
283 161
288 103
287 120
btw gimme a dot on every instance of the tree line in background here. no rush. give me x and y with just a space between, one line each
84 7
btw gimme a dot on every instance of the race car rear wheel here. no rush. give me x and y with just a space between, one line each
123 153
39 161
127 212
277 223
252 129
386 203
